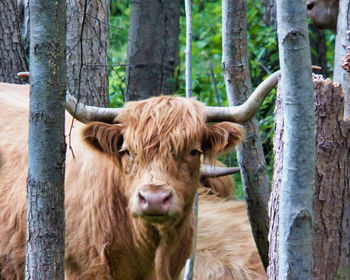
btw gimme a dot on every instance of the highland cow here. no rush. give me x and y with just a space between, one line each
129 189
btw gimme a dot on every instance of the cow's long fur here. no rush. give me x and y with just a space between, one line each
225 246
106 238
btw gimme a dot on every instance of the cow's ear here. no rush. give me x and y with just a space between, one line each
222 137
106 138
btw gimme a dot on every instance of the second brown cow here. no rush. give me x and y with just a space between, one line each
323 13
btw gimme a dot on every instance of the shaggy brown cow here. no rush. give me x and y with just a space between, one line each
129 189
229 253
323 13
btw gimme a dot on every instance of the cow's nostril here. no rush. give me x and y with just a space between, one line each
155 202
142 200
310 6
167 199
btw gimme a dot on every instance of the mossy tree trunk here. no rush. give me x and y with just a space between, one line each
46 146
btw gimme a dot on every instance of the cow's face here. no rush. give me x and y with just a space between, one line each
324 13
157 144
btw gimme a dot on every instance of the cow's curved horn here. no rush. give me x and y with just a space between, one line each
248 109
86 114
217 171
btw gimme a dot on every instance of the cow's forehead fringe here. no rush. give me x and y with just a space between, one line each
163 123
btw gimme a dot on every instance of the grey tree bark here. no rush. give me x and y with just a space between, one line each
331 199
298 172
341 43
46 151
87 43
12 54
152 48
250 153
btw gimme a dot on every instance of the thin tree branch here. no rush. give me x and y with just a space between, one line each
188 50
190 262
214 81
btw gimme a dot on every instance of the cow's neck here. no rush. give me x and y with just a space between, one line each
167 247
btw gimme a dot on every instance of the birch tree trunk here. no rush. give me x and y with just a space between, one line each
153 48
250 153
12 53
87 44
188 275
298 172
46 150
188 51
341 43
331 199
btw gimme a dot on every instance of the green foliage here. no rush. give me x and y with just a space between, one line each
118 39
330 45
206 53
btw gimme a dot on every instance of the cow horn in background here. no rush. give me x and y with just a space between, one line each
208 171
86 114
248 109
23 74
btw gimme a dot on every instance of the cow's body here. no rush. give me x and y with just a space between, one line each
117 227
230 252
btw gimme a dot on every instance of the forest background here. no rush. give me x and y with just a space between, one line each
208 83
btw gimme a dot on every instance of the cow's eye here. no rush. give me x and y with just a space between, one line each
124 152
195 152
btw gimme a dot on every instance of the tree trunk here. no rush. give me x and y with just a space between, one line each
12 54
46 150
270 12
250 153
298 178
188 51
331 199
153 48
87 43
331 243
278 144
341 43
318 50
